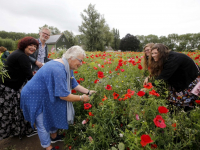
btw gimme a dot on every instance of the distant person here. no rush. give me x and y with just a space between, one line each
41 54
46 99
18 67
3 54
147 51
178 70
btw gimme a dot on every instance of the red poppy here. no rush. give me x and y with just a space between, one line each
102 66
140 67
78 81
163 110
108 87
105 98
174 125
90 114
115 95
95 68
81 79
110 71
122 70
56 147
96 81
153 92
75 71
159 121
145 139
148 86
87 106
130 92
120 64
100 74
116 69
73 91
197 101
153 146
70 147
141 93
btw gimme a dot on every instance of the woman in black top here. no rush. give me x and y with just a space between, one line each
18 67
176 69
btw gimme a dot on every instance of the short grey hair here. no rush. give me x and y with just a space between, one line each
73 52
45 28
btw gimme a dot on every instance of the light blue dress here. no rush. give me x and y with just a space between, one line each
42 94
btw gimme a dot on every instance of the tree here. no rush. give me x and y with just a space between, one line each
92 29
116 40
71 38
54 30
129 43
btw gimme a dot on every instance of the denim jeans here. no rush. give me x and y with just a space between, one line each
42 133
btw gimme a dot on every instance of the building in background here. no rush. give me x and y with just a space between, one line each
56 42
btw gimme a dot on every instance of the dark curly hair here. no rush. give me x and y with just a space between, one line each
26 41
157 66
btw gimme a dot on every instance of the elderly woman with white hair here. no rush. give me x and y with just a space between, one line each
46 100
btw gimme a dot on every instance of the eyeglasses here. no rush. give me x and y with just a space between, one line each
81 61
147 50
45 34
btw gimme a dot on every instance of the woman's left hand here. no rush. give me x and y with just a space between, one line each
91 92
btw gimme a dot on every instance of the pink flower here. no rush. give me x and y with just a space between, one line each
122 70
90 139
84 122
137 117
99 65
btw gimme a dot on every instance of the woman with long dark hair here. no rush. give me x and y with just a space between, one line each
178 70
19 70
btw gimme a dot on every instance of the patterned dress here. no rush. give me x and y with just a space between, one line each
12 121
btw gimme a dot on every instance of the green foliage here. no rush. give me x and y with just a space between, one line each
54 30
95 31
173 41
73 40
116 40
8 43
129 43
114 124
16 35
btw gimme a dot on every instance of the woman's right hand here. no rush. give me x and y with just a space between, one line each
145 81
85 98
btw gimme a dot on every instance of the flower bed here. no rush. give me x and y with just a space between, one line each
120 116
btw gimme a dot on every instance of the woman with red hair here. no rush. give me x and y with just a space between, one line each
19 70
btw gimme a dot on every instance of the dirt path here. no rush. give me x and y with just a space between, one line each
31 143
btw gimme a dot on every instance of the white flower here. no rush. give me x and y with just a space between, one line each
121 135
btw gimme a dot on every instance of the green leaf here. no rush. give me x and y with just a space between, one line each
113 148
121 146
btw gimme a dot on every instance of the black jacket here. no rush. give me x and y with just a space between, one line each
18 67
179 70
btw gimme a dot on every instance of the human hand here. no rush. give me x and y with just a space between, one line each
143 89
39 64
145 81
85 98
91 92
34 72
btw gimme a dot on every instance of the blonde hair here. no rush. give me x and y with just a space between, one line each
145 64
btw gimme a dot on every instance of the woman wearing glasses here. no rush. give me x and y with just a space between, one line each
46 100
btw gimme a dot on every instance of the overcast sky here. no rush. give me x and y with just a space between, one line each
137 17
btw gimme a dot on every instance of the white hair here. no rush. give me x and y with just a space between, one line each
45 28
73 52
